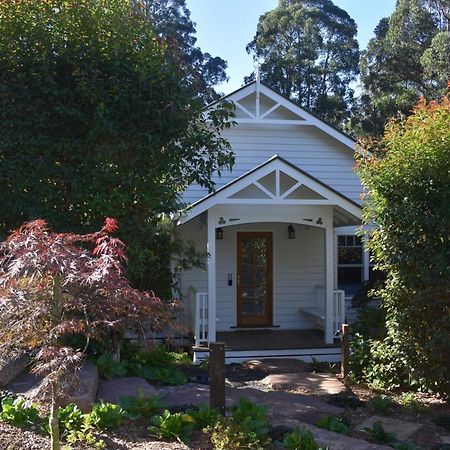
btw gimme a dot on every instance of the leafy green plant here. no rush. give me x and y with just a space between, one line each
161 375
382 404
86 435
18 412
106 415
204 363
70 419
181 358
179 426
108 367
252 418
204 416
300 439
334 424
141 407
403 446
227 434
409 401
379 435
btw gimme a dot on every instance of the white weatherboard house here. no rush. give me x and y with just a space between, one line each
280 233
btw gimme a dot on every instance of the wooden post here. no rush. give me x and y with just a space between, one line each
345 350
217 376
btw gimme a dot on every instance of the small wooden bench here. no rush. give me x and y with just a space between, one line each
313 311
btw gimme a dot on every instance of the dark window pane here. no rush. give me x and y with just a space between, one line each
358 241
349 255
341 240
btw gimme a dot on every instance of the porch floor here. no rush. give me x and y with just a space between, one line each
273 339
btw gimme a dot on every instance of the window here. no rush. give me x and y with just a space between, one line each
350 265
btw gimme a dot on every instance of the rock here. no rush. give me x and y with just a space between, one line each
11 367
111 391
277 365
186 394
314 383
402 429
328 439
83 394
86 391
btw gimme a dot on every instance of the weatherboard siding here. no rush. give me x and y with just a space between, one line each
298 267
306 147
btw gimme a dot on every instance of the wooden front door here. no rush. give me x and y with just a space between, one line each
254 278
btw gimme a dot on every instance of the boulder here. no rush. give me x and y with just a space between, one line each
10 368
111 391
85 392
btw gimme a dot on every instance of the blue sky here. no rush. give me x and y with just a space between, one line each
225 27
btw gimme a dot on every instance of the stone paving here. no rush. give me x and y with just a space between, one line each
402 429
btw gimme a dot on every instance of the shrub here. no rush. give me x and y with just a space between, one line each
204 416
409 401
106 415
227 434
18 412
379 435
408 208
141 407
382 404
334 424
300 439
70 419
177 426
161 375
252 418
109 368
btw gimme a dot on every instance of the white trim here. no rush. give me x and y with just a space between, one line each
224 194
329 284
305 117
243 108
269 111
211 248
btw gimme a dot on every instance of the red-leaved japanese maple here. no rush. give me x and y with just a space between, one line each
55 285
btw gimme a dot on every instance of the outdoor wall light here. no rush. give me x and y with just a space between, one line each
219 233
291 232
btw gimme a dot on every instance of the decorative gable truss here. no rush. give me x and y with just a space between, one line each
275 182
256 103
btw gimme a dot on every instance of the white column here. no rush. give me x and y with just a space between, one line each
211 248
329 282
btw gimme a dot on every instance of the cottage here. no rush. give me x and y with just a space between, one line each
280 233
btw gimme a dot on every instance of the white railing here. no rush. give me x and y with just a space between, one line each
318 312
338 309
199 316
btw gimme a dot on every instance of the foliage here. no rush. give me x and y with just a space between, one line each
18 412
141 407
300 439
334 424
109 367
408 57
227 434
204 416
106 415
104 120
157 365
406 177
85 435
409 401
309 53
382 404
252 418
71 419
171 19
179 426
379 434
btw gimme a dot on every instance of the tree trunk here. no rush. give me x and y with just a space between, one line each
54 419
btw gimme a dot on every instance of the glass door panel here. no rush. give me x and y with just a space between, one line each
254 276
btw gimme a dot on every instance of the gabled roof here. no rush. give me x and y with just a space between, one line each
276 103
276 182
